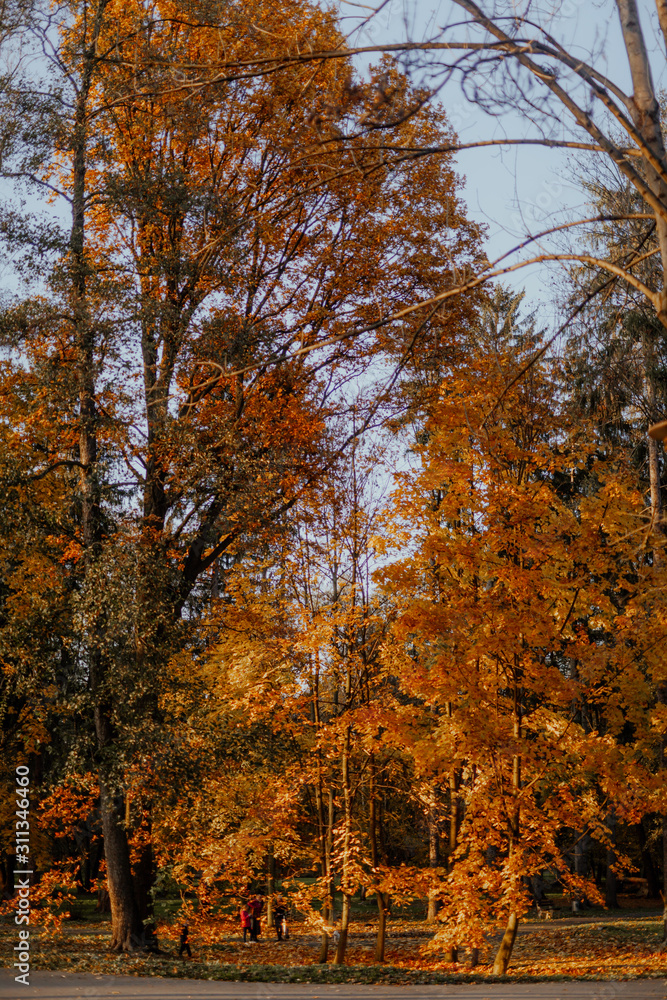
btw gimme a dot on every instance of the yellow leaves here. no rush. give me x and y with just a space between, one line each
519 608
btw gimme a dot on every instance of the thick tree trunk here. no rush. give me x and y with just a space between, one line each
143 877
126 925
645 110
143 870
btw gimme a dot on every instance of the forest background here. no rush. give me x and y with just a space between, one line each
325 569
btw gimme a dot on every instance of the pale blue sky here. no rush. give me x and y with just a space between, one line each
506 186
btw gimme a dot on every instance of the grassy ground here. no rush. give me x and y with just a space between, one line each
623 945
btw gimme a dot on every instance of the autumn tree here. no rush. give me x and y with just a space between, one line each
519 599
207 299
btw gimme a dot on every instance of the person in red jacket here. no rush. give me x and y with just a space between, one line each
256 905
246 921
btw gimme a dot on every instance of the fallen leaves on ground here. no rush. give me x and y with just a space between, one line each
623 949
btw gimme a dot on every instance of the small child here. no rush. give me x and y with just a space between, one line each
246 921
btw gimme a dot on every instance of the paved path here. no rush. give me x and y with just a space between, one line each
66 986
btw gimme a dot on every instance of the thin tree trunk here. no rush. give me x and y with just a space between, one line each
582 860
383 901
433 856
329 904
648 867
611 882
658 527
270 887
504 952
347 838
452 954
382 898
325 825
324 870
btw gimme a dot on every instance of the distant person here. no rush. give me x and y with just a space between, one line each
256 906
184 942
280 920
246 921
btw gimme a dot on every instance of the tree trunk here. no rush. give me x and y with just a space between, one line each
581 858
658 527
325 826
347 843
270 887
648 867
504 952
611 882
323 956
341 947
381 898
433 857
328 910
645 110
126 925
143 877
452 954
